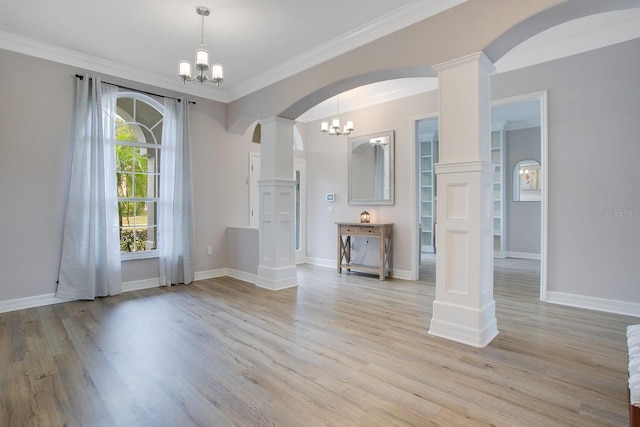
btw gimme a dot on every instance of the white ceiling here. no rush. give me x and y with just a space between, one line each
258 42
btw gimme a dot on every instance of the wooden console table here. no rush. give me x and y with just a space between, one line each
384 234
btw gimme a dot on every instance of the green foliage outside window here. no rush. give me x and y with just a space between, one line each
132 179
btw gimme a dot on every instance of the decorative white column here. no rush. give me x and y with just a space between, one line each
276 268
464 308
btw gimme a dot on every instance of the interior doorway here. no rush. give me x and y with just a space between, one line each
426 146
511 119
519 141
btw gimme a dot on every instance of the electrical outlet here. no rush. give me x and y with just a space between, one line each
209 250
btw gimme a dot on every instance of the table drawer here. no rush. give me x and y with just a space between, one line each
349 229
369 231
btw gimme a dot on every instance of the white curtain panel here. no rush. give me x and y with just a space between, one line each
90 263
175 208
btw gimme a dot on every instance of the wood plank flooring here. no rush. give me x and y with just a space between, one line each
339 350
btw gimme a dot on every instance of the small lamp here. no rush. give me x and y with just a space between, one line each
365 217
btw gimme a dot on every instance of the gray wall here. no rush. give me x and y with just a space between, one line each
594 201
242 248
523 218
36 128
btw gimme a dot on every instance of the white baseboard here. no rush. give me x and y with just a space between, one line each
331 263
593 303
134 285
401 274
523 255
321 262
138 285
30 302
210 274
242 275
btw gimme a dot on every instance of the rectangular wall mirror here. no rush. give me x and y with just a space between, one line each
371 175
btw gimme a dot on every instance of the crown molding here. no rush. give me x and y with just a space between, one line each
25 46
401 18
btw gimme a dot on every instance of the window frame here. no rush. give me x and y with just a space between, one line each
137 96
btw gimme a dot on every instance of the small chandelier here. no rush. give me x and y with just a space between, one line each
335 129
202 60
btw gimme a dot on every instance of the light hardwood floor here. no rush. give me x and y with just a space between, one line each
337 350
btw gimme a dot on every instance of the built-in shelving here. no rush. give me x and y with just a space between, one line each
498 158
428 147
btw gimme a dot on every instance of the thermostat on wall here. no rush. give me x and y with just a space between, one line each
331 197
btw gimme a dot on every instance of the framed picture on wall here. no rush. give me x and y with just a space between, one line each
527 182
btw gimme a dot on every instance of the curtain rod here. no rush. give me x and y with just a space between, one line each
81 77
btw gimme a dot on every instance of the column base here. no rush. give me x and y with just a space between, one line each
276 279
466 325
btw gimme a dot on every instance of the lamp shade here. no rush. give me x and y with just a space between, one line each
216 71
324 127
349 126
202 59
184 69
335 124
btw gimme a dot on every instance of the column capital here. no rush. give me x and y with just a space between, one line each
463 167
276 119
478 57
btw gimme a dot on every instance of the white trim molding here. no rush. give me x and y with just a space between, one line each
594 303
242 275
402 274
523 255
321 262
211 274
134 285
25 46
30 302
401 18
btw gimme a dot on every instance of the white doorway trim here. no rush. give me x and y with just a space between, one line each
254 193
541 97
300 165
415 195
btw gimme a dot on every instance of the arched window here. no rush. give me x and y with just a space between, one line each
138 148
